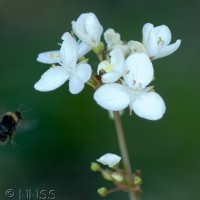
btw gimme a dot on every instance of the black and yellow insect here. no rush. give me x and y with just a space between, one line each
8 126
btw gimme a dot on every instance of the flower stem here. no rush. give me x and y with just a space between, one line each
124 152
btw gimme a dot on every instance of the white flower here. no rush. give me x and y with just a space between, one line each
133 92
112 38
109 159
114 69
88 29
113 41
157 39
68 69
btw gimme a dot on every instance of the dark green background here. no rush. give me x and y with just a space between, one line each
67 132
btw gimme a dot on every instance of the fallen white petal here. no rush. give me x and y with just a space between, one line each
149 106
109 159
112 96
49 57
52 79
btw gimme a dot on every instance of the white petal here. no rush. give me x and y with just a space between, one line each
165 51
49 57
52 79
76 85
69 50
146 31
83 71
109 159
112 96
83 49
151 44
117 60
149 106
102 65
140 70
163 33
110 77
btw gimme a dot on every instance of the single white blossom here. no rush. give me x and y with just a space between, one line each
68 69
115 68
157 41
113 41
134 91
88 29
109 159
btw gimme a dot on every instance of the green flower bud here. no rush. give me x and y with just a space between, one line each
95 166
106 175
117 177
102 191
137 180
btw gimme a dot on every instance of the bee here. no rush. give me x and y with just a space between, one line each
8 126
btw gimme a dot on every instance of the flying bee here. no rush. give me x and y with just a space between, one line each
8 126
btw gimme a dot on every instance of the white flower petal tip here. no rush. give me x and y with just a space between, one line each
157 40
149 106
166 51
51 79
112 96
109 159
49 57
88 29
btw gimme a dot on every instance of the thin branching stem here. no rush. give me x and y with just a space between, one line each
124 152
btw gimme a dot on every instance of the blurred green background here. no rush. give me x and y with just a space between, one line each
68 132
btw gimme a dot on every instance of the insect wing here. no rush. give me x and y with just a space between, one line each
3 130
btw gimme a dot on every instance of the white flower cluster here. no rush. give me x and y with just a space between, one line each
123 78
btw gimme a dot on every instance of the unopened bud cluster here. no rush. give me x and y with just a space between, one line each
116 175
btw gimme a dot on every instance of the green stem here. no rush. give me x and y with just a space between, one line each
124 152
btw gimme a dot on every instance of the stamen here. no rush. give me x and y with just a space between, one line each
108 67
51 55
160 41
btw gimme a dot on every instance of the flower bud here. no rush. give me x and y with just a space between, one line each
88 29
95 166
117 177
102 191
137 180
106 175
